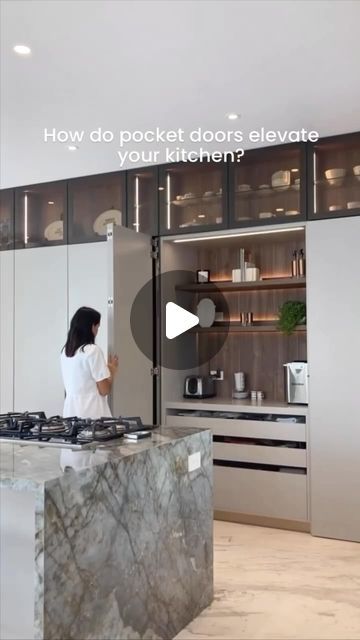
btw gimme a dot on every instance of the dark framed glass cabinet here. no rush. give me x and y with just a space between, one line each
6 219
268 186
334 177
94 202
142 200
40 215
192 197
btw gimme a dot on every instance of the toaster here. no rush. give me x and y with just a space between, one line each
199 387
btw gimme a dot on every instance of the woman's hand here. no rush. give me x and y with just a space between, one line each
113 364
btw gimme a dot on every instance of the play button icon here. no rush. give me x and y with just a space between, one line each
173 322
178 320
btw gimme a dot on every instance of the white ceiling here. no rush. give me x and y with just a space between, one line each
282 64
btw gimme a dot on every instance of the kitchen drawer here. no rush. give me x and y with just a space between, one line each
292 431
257 454
263 493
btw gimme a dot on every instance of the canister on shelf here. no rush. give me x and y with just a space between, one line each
294 265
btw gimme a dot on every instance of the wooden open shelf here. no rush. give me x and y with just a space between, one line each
258 285
256 327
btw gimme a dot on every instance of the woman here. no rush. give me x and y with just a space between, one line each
87 378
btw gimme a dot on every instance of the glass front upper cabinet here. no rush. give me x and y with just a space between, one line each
40 215
334 177
268 186
95 202
6 219
193 197
142 200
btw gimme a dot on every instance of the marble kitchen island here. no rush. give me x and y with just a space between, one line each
114 542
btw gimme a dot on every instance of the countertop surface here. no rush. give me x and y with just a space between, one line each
31 466
246 406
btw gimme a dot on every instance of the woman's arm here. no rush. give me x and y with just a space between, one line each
104 386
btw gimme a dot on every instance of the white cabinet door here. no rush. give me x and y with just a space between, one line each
333 290
40 328
130 268
88 282
6 331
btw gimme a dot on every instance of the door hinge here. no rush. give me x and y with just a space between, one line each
155 250
155 371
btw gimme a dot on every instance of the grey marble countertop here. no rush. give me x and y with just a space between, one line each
28 467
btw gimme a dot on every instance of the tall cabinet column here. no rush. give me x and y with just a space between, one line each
6 331
334 357
40 328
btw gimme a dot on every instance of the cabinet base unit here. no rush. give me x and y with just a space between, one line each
262 521
260 460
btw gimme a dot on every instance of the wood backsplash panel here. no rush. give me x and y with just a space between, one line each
260 355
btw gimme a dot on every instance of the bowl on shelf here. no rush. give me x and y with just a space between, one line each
208 194
281 180
356 171
243 187
266 214
355 204
335 176
292 212
189 195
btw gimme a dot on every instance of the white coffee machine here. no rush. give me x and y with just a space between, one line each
296 382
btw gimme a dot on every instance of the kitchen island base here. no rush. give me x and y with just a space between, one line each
123 545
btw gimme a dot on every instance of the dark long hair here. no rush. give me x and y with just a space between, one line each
80 332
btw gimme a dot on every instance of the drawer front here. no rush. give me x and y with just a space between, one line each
257 454
292 431
262 493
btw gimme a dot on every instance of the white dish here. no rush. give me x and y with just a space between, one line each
353 205
266 214
292 212
335 176
54 231
243 187
206 312
111 216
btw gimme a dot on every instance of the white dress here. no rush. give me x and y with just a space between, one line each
80 374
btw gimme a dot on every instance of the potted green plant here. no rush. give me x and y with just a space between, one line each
291 314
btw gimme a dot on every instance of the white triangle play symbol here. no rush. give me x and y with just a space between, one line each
178 320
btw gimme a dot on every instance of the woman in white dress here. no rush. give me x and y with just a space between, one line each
86 375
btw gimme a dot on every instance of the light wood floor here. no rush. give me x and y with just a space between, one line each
280 585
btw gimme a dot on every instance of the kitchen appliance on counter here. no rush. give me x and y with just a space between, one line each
240 392
199 387
296 382
69 433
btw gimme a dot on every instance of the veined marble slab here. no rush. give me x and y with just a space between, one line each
123 535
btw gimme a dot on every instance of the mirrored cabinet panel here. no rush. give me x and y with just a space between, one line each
193 196
40 215
6 219
334 177
94 202
142 200
268 186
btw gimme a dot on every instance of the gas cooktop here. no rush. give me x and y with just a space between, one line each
72 433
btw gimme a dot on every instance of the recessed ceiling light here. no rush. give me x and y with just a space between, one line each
51 202
72 147
22 50
232 116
